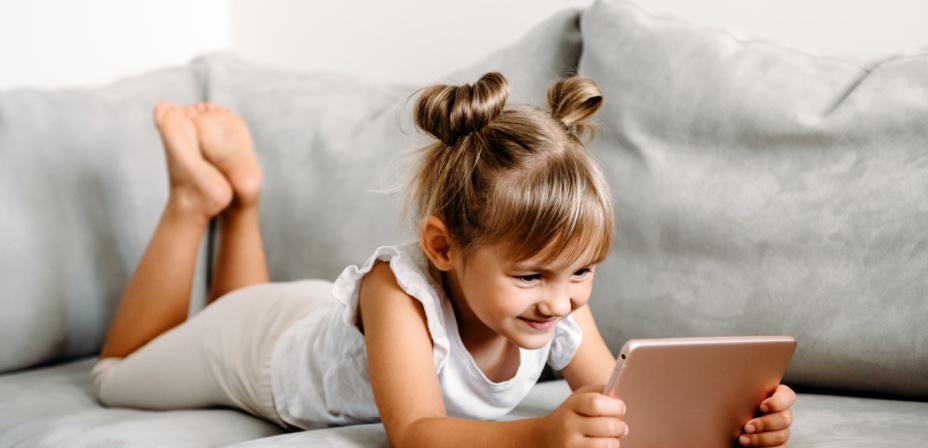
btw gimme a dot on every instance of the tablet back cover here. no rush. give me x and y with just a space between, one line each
696 392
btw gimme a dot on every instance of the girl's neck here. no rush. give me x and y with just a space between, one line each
498 359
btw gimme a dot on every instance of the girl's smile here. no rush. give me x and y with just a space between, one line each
541 324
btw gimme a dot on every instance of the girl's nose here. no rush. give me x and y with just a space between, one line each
557 304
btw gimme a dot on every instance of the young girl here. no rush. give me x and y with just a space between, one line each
433 338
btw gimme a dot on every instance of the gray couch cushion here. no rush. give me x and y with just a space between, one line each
821 421
82 183
55 407
762 190
330 146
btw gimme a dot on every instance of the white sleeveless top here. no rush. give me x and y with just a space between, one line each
319 373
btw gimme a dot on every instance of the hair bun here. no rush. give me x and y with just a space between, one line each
452 112
573 101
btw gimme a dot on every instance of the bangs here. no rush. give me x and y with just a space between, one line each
560 207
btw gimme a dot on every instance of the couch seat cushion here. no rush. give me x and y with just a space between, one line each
54 406
821 421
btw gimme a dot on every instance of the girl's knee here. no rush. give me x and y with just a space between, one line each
99 374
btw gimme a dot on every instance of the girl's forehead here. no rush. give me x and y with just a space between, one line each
575 254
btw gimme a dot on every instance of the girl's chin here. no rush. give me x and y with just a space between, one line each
531 337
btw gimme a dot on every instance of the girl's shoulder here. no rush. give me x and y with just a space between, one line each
410 268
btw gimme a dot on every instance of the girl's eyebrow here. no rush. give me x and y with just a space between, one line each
528 265
530 268
522 266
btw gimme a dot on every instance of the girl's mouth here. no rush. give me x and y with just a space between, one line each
540 324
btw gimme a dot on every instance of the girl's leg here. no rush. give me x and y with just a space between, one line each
158 294
219 357
226 143
222 355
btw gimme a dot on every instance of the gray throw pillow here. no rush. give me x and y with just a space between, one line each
763 190
82 184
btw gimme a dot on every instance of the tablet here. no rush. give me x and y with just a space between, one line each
696 392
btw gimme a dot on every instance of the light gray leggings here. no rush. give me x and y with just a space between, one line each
219 357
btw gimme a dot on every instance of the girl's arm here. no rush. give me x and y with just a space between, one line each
408 396
593 363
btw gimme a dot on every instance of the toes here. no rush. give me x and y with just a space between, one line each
191 112
162 108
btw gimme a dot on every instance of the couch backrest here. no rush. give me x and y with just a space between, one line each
764 190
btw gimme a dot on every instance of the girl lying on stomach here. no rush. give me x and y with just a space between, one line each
435 338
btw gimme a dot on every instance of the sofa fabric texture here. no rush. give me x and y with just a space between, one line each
760 190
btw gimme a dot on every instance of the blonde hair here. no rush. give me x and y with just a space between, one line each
517 175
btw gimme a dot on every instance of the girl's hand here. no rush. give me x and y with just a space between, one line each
772 428
586 418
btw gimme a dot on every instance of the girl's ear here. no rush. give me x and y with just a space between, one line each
436 242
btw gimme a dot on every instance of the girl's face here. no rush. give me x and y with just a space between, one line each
521 301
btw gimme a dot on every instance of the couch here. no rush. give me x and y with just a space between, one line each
759 190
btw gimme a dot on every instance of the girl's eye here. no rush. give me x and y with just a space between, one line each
582 273
529 278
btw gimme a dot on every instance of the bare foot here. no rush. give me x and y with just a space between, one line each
226 143
196 185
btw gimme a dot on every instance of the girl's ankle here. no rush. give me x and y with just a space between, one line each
242 207
179 211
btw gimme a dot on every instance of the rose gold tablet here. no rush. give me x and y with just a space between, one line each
696 392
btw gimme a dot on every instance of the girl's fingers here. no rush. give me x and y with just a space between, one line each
771 429
772 438
769 422
595 404
783 398
601 427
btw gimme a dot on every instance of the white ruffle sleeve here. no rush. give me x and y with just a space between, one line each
410 266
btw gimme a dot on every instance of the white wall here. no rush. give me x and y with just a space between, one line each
62 43
862 29
408 41
55 43
419 41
